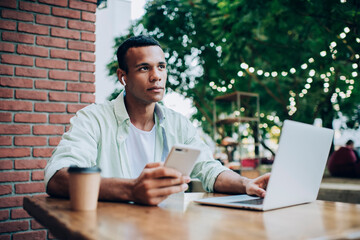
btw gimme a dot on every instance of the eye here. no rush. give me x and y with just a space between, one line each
144 68
162 66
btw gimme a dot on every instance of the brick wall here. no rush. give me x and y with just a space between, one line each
46 75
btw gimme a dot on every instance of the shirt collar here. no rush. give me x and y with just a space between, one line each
122 115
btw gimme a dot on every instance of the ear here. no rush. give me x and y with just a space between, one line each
121 76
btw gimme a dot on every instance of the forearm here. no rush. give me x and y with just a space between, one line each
230 182
111 189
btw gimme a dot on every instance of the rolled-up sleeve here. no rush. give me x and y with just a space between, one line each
77 147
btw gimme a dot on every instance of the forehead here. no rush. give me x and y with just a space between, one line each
148 54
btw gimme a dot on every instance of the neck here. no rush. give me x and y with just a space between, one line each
141 115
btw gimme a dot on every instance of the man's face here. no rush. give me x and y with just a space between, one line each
146 77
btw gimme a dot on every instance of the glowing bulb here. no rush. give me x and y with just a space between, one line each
266 74
307 86
240 73
309 80
355 66
342 35
311 60
333 44
274 74
284 74
354 74
211 84
304 66
292 70
232 81
312 73
346 30
323 53
244 66
251 69
260 72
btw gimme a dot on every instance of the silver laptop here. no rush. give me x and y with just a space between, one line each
296 173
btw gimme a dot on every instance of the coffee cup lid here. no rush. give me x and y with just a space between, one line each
76 169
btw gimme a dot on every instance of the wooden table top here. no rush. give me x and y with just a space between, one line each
180 218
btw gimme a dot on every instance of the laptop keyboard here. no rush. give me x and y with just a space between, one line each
259 201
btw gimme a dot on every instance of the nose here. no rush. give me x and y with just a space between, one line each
155 75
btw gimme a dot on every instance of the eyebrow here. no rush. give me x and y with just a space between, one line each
147 64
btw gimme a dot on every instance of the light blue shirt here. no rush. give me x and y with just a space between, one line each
97 136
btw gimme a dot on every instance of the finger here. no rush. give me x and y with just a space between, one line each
166 191
168 182
258 192
154 165
162 172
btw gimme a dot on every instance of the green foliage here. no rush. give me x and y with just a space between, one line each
206 41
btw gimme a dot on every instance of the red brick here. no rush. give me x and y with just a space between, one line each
35 187
15 59
6 164
60 119
29 94
8 25
51 42
30 141
80 66
30 164
80 45
48 130
87 98
65 33
5 189
49 107
36 225
13 177
81 87
5 140
67 128
5 237
33 7
88 57
14 152
81 25
8 3
7 47
91 17
5 117
63 97
30 72
62 3
18 37
54 141
30 235
33 51
11 201
4 215
14 129
17 15
16 82
6 70
16 105
86 36
37 175
14 226
90 7
64 75
46 84
66 13
32 28
49 20
65 54
73 108
6 93
30 118
19 213
42 152
92 1
49 63
87 77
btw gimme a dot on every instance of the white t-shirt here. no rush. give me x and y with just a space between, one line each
140 146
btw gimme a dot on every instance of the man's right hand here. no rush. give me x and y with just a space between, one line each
156 183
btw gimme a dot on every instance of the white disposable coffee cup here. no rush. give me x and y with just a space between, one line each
84 185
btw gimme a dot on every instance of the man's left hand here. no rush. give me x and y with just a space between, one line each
258 185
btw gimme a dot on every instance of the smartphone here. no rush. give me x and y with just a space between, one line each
182 158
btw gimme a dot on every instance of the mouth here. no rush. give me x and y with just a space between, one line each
155 89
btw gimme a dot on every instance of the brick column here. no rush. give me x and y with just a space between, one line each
46 74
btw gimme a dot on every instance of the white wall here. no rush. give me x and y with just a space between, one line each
110 23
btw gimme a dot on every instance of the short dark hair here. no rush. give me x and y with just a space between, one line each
136 41
349 142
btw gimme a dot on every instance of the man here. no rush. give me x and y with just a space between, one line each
345 162
130 137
